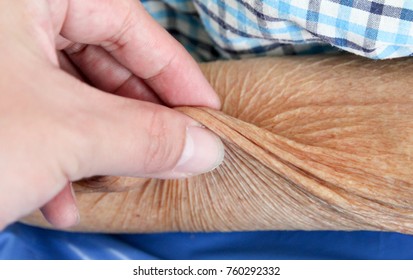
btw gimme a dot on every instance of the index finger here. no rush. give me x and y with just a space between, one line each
138 42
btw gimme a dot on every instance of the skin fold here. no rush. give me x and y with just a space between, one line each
312 143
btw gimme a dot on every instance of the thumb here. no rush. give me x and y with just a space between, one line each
126 137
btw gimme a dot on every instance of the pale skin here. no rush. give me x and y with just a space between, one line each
56 129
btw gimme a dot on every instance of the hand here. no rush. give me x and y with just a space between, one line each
55 129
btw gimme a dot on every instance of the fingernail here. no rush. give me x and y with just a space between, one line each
202 153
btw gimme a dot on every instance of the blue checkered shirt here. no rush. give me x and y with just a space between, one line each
212 29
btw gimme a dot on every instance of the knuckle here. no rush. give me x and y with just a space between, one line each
163 68
121 37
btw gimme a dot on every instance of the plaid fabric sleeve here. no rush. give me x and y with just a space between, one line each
376 29
206 40
181 20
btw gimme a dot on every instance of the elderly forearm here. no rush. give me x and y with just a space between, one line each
312 143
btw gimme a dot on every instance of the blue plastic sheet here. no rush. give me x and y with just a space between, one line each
24 242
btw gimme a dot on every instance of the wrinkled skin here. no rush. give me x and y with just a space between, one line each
311 143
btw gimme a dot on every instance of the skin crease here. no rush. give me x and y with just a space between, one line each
313 143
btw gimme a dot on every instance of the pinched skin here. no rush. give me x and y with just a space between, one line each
312 143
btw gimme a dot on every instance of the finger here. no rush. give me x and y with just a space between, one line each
107 74
102 70
127 137
62 211
134 39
